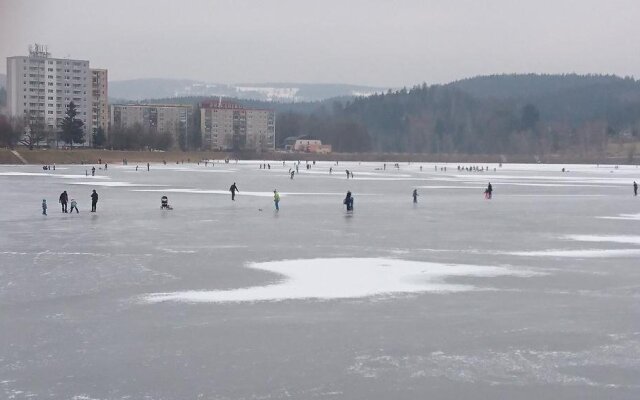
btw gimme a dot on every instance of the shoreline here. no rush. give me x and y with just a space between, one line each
92 156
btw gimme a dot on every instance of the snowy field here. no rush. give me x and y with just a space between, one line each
534 294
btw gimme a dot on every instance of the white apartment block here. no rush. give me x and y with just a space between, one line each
228 126
161 118
99 100
40 87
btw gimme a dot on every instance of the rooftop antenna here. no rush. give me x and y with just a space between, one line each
39 50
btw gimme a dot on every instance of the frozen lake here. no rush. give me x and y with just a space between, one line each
533 294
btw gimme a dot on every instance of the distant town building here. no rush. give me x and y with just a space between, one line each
226 125
39 89
306 144
99 100
173 119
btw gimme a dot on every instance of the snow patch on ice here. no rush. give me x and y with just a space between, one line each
635 217
174 251
590 253
245 193
116 184
340 278
627 239
53 175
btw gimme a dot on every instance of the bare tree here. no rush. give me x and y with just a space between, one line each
33 135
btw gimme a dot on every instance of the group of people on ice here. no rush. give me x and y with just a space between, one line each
64 201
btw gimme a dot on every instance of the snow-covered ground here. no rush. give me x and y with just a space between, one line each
533 294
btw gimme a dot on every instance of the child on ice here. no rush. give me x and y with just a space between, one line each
276 199
74 205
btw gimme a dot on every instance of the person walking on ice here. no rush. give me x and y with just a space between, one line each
74 205
44 207
64 198
488 192
94 200
233 189
635 188
415 195
276 199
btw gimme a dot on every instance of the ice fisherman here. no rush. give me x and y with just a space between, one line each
348 201
94 200
164 203
233 189
415 195
64 198
93 171
276 199
44 207
635 188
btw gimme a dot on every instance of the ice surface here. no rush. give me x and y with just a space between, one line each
339 278
533 294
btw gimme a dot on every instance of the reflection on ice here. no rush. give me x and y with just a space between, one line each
338 278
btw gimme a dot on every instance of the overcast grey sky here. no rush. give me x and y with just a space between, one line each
373 42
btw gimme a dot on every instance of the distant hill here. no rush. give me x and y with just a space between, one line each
529 85
139 89
502 114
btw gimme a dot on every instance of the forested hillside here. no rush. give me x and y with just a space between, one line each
511 114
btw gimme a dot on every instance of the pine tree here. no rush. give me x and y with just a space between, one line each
99 138
72 127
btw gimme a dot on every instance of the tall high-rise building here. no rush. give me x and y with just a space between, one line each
99 100
40 87
226 125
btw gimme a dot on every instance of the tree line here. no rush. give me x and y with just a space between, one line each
499 114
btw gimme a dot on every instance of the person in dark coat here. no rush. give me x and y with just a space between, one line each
489 191
233 189
348 201
635 188
415 195
64 199
94 200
